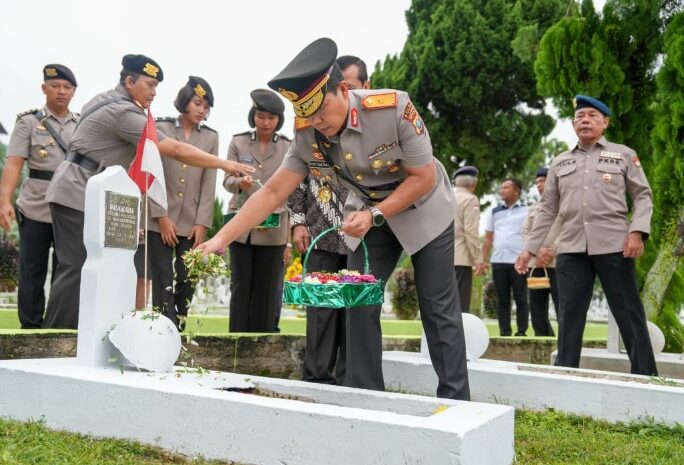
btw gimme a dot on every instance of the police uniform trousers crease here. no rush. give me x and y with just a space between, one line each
576 274
35 240
171 298
63 304
255 270
439 308
464 278
539 303
324 356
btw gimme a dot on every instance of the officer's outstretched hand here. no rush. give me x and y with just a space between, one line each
634 245
522 261
213 245
233 167
357 224
6 216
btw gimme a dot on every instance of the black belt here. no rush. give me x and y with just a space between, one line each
83 161
41 174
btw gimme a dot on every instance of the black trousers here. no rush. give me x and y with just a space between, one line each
255 270
576 274
539 303
439 310
324 356
35 240
171 290
63 303
505 280
464 279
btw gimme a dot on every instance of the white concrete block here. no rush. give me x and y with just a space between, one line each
601 395
326 425
669 365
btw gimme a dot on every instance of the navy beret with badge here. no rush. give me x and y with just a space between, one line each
584 101
57 71
542 172
304 81
140 64
201 88
268 101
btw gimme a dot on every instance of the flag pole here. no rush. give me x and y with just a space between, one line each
147 204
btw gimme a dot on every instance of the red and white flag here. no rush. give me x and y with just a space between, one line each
146 169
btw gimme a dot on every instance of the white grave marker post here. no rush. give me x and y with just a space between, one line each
110 235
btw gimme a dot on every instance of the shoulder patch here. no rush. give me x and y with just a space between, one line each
378 101
33 111
301 123
246 133
165 119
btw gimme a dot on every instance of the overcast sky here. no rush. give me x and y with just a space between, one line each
235 46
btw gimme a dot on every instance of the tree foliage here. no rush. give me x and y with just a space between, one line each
467 65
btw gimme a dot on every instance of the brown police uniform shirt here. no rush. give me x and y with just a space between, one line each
552 238
108 136
467 244
31 141
586 188
384 135
190 191
244 148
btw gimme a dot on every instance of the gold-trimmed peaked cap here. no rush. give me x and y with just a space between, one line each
57 71
304 81
140 64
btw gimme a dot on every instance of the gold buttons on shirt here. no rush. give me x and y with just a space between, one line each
51 142
184 166
348 156
260 166
359 177
180 194
182 180
42 153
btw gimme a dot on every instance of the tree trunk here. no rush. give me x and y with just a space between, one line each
660 274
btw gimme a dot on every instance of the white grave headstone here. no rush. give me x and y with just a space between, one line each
110 235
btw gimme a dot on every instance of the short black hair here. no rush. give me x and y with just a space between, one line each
516 182
124 74
336 78
345 61
184 96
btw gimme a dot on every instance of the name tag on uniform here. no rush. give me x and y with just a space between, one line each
246 158
318 164
611 155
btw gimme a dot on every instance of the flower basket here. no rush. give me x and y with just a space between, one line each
342 290
272 221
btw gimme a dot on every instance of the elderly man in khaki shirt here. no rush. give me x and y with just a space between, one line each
586 187
467 244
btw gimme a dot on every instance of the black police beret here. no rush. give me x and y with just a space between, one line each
266 100
140 64
55 71
201 88
584 101
542 172
467 171
304 81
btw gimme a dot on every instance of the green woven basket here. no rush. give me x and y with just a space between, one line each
272 221
339 295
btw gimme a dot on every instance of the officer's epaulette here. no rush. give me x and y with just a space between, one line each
283 136
246 133
165 119
28 112
301 123
378 101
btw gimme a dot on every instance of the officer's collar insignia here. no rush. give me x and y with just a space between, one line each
377 101
310 100
301 123
50 72
150 70
354 118
199 91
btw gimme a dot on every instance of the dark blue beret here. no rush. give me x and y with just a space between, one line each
583 101
55 71
145 66
542 172
266 100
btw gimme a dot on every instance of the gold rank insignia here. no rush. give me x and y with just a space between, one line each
301 123
324 194
199 91
150 70
377 101
50 72
377 164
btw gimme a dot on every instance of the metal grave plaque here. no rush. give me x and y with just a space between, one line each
121 221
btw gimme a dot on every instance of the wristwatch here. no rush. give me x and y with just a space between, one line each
378 217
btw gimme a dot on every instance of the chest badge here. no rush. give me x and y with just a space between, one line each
393 168
324 194
315 171
42 153
377 164
607 177
318 155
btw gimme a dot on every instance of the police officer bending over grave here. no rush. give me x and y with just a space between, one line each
375 143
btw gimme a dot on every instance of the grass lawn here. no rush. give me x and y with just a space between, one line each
218 325
548 438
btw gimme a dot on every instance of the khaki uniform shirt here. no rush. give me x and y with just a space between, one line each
190 190
586 188
552 238
244 148
467 245
31 141
109 136
374 148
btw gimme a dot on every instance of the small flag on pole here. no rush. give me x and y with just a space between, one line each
147 170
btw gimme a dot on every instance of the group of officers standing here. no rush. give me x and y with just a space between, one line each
360 160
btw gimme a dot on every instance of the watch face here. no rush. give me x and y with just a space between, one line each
378 217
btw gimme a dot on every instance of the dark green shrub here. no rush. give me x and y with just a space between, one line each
404 296
9 264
